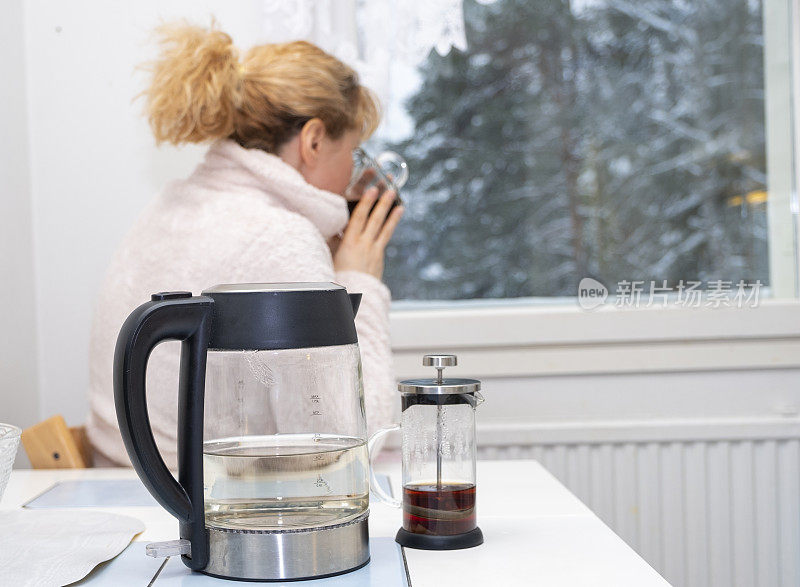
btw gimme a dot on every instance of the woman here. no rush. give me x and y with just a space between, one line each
266 205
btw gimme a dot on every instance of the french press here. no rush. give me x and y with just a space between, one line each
438 457
273 479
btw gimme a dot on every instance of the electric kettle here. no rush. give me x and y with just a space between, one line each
273 472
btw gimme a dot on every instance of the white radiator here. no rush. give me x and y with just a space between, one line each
705 502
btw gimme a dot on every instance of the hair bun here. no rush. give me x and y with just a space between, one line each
195 84
200 92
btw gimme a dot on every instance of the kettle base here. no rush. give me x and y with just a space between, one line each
430 542
288 555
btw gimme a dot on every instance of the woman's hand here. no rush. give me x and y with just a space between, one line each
365 238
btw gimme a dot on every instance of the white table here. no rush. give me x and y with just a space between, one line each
536 532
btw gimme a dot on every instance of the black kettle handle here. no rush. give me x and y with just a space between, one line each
169 316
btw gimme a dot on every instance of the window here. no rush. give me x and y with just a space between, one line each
598 138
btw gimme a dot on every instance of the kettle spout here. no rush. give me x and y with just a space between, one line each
355 301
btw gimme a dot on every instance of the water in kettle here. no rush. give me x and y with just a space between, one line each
284 481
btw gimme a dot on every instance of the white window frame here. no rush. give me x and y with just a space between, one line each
514 338
529 341
781 72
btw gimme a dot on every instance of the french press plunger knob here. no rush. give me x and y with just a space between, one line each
440 362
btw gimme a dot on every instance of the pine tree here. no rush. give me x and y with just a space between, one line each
607 141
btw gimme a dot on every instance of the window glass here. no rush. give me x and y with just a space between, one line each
615 140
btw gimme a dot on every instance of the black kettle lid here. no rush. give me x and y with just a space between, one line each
272 316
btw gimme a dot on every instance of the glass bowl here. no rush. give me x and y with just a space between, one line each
9 441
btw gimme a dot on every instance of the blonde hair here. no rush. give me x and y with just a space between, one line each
201 92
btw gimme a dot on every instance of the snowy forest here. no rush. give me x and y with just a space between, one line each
613 139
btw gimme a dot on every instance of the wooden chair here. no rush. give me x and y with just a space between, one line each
51 444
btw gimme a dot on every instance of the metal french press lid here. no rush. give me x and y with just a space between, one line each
439 385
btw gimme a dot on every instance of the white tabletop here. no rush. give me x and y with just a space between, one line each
536 532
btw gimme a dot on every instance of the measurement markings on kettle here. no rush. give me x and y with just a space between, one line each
320 482
318 459
315 404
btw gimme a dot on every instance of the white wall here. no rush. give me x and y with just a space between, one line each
93 163
19 401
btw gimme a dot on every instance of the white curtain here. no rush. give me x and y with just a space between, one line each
383 40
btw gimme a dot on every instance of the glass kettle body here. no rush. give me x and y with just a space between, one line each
273 473
283 447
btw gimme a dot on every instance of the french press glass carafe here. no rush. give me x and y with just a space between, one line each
272 458
438 452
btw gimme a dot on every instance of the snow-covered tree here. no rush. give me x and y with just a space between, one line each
614 139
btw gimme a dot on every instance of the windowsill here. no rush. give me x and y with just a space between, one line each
513 339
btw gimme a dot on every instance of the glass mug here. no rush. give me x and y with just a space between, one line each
387 171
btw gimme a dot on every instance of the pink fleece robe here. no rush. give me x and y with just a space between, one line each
243 216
